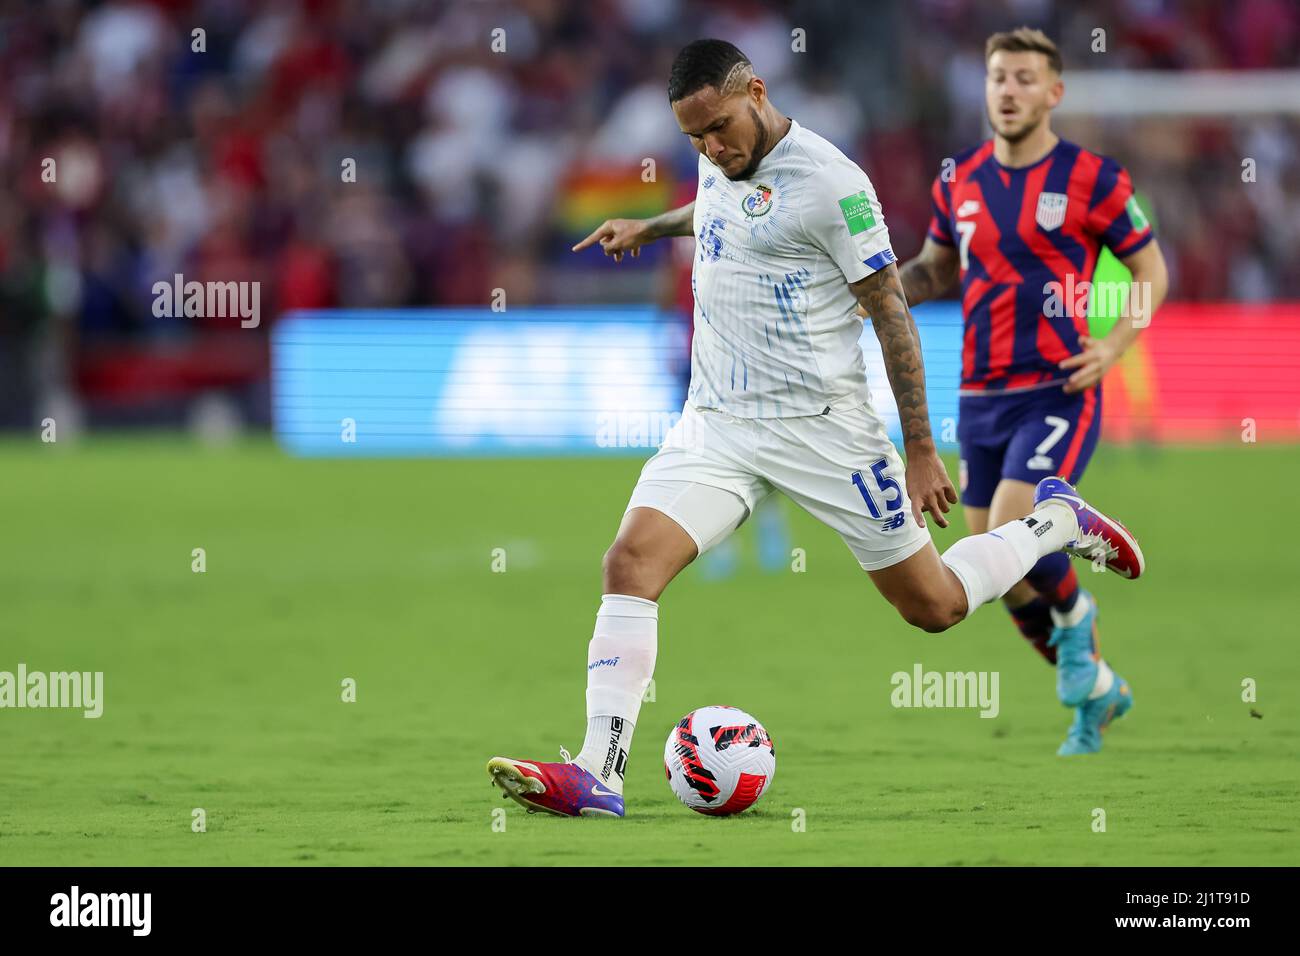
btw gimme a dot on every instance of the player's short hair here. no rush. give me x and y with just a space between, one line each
714 63
1025 40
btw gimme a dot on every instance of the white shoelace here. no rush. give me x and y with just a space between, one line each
565 754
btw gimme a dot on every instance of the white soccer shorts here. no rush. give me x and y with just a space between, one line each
840 467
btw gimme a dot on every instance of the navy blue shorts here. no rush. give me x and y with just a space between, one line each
1026 436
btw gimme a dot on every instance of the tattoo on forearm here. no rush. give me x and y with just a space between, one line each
675 222
901 345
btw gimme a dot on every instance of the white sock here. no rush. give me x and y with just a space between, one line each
1073 616
988 565
1105 679
604 751
620 663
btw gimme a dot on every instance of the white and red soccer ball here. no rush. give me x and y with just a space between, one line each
719 760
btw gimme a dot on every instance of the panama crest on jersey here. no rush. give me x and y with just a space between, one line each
1051 210
757 202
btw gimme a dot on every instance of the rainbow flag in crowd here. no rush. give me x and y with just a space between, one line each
590 196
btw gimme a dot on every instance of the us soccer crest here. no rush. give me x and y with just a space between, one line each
1051 210
758 202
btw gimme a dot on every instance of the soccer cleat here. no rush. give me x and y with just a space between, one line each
562 789
1076 656
1099 536
1093 717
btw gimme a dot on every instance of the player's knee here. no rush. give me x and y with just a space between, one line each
933 617
624 566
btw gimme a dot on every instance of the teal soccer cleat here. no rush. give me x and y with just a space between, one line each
1093 717
1076 656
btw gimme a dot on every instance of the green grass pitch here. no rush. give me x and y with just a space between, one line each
223 689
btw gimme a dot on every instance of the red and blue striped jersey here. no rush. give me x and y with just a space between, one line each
1028 240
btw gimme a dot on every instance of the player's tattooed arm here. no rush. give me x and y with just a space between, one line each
617 236
931 272
880 296
675 222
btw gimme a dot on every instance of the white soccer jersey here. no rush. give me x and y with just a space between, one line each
776 329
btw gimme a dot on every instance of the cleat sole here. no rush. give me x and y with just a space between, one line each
516 785
1130 541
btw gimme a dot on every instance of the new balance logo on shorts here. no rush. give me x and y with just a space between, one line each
894 522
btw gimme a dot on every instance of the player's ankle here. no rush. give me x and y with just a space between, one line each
1062 514
1074 615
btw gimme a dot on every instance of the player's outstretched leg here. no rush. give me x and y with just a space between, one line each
649 551
982 567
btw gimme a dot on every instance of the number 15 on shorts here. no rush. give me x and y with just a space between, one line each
884 485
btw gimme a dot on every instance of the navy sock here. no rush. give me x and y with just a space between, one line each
1053 577
1035 622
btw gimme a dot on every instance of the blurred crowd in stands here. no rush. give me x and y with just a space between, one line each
486 137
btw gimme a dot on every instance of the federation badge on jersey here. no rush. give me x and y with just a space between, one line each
1051 210
758 202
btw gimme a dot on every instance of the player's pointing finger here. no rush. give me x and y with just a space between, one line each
592 238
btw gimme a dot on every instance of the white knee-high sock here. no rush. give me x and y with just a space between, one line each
988 565
620 663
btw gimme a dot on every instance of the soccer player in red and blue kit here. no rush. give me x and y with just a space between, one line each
1022 218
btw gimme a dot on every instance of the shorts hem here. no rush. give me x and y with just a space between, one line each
706 480
678 519
899 556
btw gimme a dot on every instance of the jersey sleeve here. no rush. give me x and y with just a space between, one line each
940 214
844 219
1114 216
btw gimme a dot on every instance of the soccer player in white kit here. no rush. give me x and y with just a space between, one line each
790 240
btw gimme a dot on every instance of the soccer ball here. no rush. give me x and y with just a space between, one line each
719 760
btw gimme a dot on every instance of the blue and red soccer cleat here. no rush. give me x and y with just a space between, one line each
562 789
1100 537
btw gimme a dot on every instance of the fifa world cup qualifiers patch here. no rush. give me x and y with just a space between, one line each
857 212
1135 214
